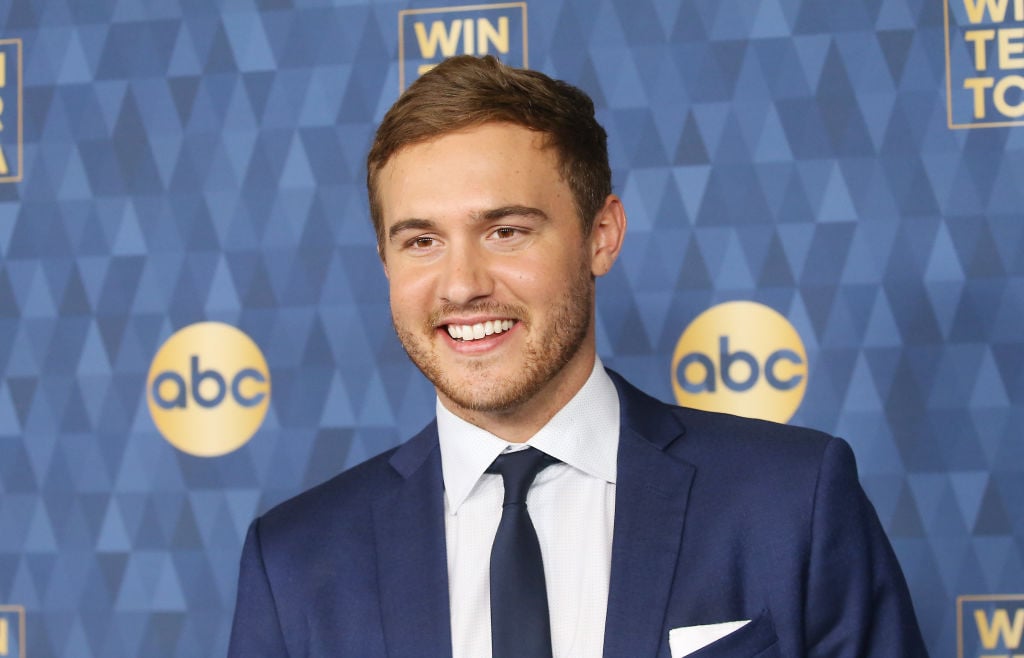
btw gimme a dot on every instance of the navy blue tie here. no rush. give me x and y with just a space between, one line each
520 624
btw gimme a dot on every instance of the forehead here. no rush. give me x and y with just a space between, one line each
481 163
474 144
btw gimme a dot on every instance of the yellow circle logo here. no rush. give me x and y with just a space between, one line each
208 389
741 358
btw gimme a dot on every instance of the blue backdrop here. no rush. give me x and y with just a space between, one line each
853 164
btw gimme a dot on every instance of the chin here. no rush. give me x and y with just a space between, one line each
494 401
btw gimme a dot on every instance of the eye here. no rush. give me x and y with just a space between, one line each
421 242
509 238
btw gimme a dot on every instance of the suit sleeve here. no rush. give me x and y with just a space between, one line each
256 630
857 599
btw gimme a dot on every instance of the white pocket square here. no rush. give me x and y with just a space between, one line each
686 639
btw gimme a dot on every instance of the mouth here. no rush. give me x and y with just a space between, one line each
479 330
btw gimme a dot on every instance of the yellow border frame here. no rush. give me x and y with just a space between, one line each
960 613
20 610
21 115
949 88
438 10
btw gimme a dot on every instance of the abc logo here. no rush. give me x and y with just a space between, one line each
208 389
741 358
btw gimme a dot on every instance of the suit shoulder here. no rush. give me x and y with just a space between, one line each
349 491
707 425
741 438
353 489
722 443
702 435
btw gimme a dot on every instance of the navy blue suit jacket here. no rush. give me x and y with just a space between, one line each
717 518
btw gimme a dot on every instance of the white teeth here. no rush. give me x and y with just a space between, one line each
478 330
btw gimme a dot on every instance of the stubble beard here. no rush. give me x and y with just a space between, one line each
547 351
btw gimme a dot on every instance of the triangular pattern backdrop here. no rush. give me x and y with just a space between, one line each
201 161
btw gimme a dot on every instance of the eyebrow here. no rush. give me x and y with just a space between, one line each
409 225
512 211
418 224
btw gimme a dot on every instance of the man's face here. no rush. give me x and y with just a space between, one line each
491 277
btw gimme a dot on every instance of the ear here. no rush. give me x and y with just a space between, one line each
606 235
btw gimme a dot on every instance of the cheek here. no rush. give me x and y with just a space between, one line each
525 271
551 276
409 292
402 295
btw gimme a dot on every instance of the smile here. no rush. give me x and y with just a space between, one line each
466 332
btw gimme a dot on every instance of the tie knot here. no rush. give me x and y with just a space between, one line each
518 470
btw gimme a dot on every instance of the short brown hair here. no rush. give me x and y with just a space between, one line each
466 91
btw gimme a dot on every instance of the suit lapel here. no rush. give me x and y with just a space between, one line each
413 564
651 493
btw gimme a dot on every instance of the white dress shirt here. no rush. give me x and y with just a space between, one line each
572 505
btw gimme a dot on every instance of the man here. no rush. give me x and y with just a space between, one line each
660 530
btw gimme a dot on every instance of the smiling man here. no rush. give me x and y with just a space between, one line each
552 509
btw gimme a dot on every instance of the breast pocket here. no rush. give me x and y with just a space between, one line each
756 639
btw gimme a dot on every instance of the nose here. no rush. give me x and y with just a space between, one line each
465 275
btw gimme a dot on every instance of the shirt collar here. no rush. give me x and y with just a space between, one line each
583 434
